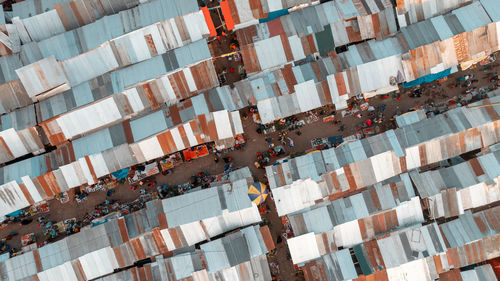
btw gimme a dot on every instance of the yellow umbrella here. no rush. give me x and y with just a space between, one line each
257 192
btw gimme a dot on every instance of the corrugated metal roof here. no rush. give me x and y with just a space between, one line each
41 76
423 143
483 272
148 125
492 9
194 207
472 16
20 119
410 118
413 11
93 143
132 235
470 227
233 249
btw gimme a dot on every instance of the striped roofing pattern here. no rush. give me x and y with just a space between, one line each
397 141
481 169
329 24
42 177
431 247
50 18
137 236
83 45
144 97
371 163
413 11
246 12
324 216
249 263
400 57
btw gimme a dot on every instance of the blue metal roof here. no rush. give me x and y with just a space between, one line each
442 28
215 255
93 143
100 31
492 8
255 242
261 89
472 16
62 46
194 52
142 71
347 9
236 196
148 125
307 167
318 220
182 265
200 105
29 8
193 206
346 265
34 167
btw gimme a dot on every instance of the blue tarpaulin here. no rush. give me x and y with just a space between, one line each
428 78
274 15
335 139
121 174
14 214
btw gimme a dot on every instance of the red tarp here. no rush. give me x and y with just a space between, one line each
210 23
226 12
197 152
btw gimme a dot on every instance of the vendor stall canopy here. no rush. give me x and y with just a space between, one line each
257 192
403 246
241 255
405 57
161 227
42 177
399 141
125 33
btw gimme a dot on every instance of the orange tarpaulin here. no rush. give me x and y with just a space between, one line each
226 12
208 20
197 152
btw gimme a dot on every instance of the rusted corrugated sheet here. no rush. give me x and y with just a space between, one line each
268 239
249 57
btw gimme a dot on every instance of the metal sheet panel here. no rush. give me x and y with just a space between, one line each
472 16
41 76
89 65
179 212
270 52
43 26
148 125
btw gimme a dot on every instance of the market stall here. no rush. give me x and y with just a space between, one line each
143 172
170 162
325 143
195 152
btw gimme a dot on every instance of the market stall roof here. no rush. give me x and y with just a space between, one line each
303 248
364 167
401 249
323 217
241 255
122 27
140 235
492 9
410 117
411 11
42 76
